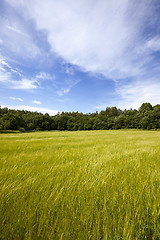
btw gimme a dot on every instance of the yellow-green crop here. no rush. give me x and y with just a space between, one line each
80 185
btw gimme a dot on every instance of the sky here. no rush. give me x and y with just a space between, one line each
83 55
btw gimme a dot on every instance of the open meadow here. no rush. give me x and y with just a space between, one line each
80 185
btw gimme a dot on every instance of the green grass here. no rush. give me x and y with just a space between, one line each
80 185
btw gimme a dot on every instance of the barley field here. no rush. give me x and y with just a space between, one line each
80 185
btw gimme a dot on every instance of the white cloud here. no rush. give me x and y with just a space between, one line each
133 95
6 65
25 84
17 38
16 30
100 36
4 76
4 70
44 76
68 68
33 109
17 98
61 92
100 107
107 37
68 84
6 79
154 44
36 102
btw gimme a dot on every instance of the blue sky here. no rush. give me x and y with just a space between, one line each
67 55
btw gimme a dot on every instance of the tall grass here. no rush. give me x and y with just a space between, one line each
80 185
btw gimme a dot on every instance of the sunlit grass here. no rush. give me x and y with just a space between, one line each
80 185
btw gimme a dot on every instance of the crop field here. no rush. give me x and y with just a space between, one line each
80 185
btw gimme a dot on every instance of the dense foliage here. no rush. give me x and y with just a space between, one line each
147 117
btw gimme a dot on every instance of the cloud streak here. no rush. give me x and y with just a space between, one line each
118 40
6 67
132 95
66 86
7 78
36 102
22 84
16 98
97 36
17 39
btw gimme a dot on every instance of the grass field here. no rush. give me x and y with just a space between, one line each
80 185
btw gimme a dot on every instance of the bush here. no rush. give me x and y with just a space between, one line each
21 129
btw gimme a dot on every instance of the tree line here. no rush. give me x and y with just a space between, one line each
146 117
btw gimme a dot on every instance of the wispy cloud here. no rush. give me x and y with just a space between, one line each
16 37
119 40
24 84
16 30
36 102
98 36
45 76
63 91
16 98
8 67
6 78
153 44
68 68
101 107
67 85
132 95
4 70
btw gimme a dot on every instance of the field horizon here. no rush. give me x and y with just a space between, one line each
102 184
